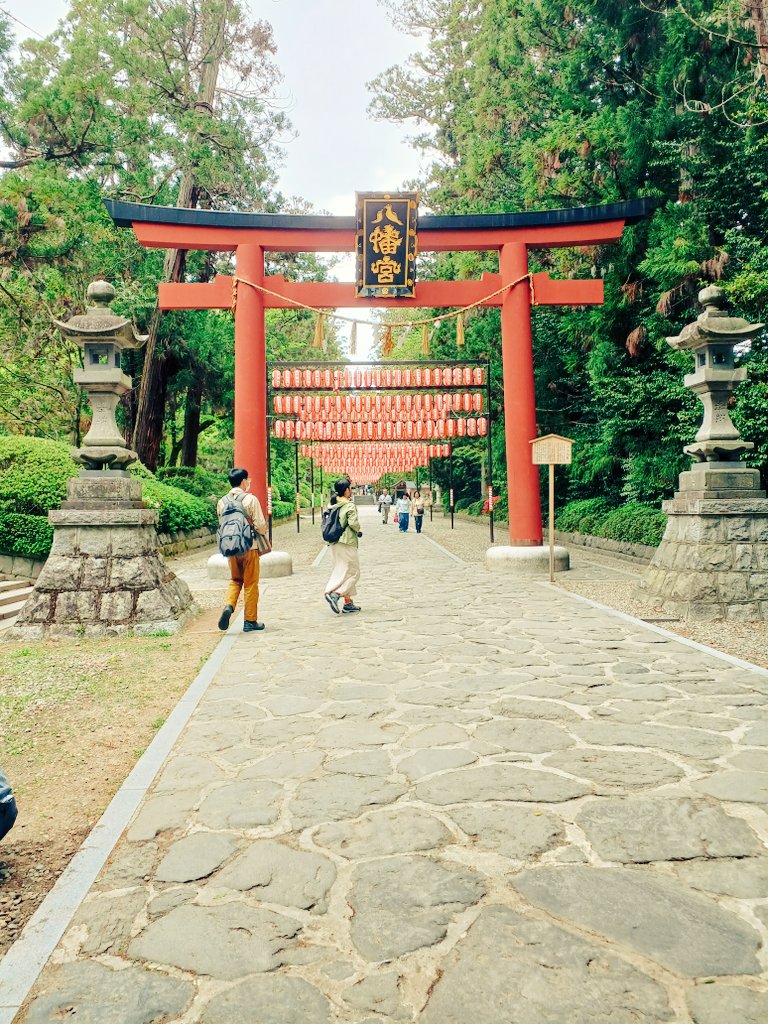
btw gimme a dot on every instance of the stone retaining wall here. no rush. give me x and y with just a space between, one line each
169 544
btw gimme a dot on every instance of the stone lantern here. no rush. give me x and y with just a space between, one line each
105 574
102 335
713 559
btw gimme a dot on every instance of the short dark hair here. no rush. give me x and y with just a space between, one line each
237 475
341 485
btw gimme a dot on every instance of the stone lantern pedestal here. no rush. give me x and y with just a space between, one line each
712 562
105 575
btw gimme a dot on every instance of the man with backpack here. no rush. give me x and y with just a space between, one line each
341 531
240 520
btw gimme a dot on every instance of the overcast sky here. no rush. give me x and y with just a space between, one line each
327 50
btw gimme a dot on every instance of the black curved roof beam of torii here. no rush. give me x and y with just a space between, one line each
126 215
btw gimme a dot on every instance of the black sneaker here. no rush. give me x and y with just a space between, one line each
333 601
224 618
349 608
251 627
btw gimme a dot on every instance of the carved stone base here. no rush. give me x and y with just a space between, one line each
104 575
712 562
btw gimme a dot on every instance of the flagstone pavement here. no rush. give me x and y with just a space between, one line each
479 801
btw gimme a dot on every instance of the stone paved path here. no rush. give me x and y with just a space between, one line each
479 802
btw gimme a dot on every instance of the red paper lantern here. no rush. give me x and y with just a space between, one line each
466 402
482 426
316 378
428 377
275 378
279 428
461 428
472 427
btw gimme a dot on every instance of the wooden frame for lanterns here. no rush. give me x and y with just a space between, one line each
296 379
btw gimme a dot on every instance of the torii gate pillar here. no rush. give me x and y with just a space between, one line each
525 527
250 371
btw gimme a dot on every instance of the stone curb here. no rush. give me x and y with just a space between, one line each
22 964
730 658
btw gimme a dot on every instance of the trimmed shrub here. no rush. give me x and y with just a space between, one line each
33 479
34 474
634 523
283 509
582 516
178 510
197 481
25 536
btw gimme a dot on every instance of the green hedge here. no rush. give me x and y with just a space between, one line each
33 479
633 523
582 516
178 510
197 481
283 509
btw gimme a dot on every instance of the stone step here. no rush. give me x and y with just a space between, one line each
11 584
18 593
8 612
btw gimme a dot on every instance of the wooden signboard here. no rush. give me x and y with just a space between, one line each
386 244
551 450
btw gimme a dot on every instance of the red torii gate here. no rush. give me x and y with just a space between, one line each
251 235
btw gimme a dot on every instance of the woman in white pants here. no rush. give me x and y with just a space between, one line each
346 561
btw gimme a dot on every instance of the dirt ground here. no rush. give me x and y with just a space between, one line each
74 718
76 715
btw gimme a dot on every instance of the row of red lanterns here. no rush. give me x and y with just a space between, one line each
355 406
300 431
373 451
380 377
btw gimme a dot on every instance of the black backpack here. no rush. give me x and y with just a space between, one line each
235 533
332 527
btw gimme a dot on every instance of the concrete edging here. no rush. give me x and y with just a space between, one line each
22 964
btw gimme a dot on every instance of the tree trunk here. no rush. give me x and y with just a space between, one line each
756 12
150 408
191 425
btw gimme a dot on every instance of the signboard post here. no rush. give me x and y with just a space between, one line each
551 450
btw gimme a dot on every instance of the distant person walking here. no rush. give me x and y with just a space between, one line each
238 511
385 504
417 507
342 584
404 511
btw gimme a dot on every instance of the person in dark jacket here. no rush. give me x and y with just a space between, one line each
8 809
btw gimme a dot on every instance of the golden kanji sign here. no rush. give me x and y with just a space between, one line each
386 244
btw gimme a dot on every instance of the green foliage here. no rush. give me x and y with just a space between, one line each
33 479
635 523
25 536
178 510
34 474
582 516
197 481
560 103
